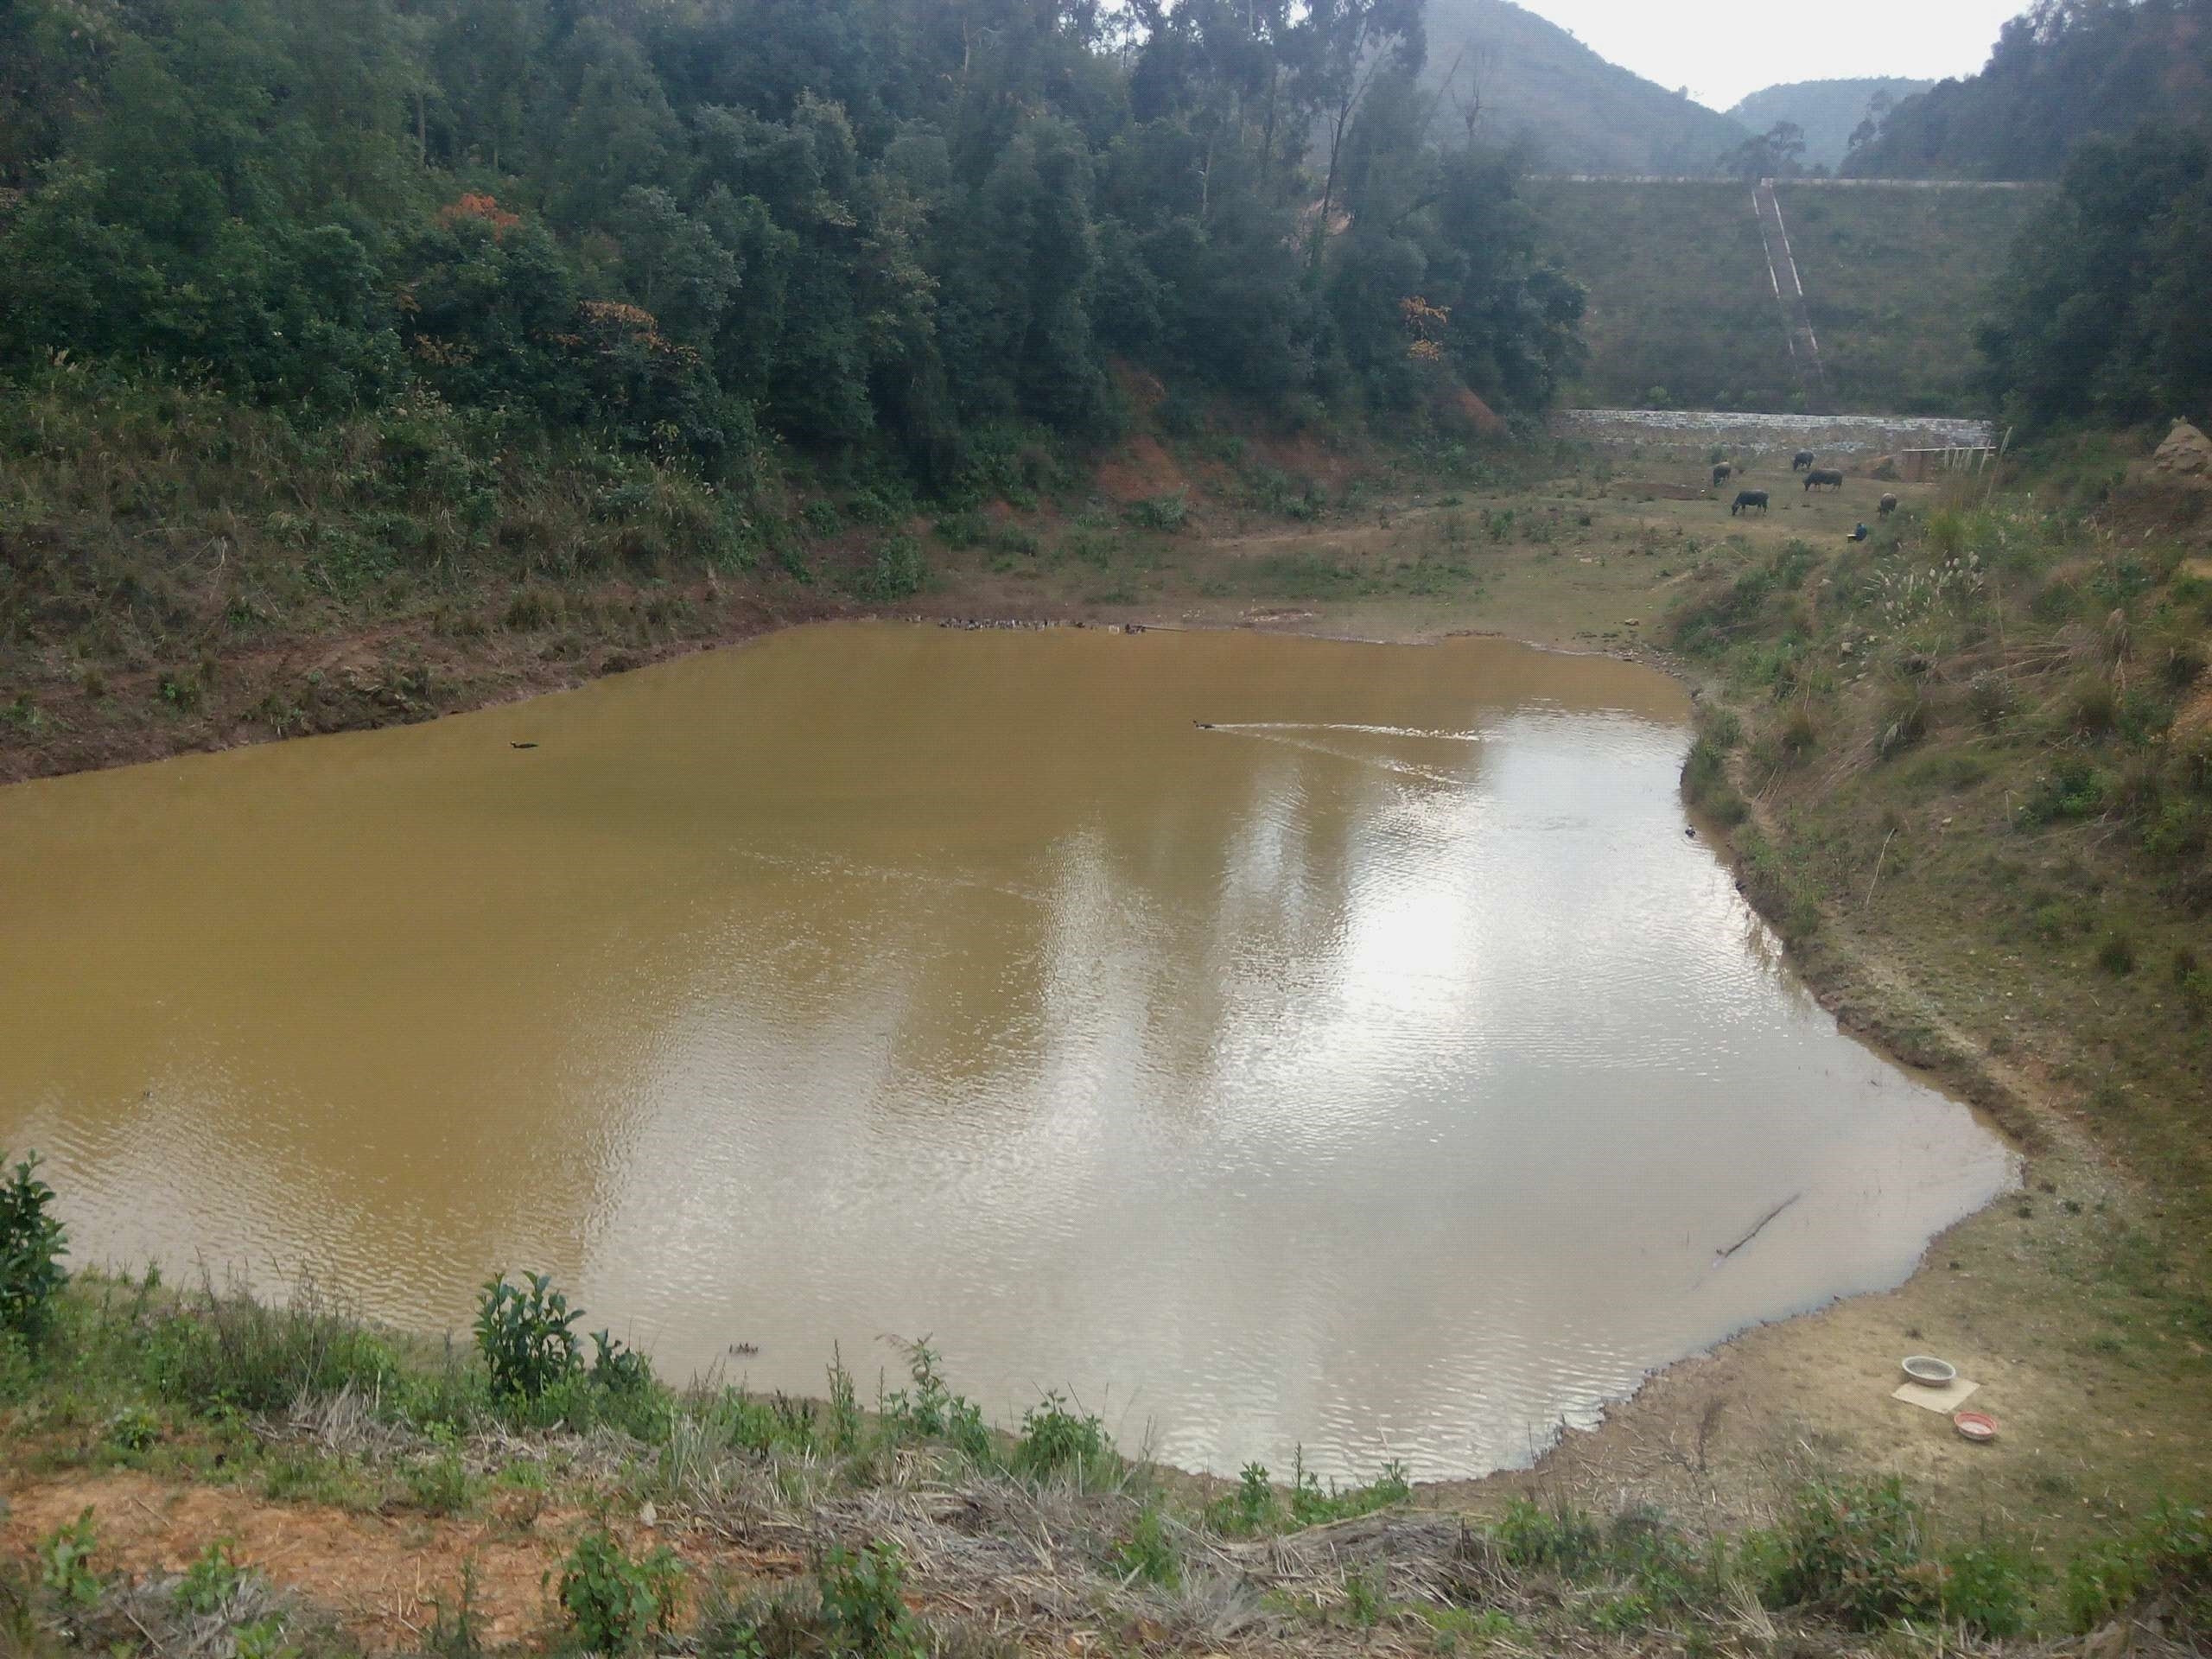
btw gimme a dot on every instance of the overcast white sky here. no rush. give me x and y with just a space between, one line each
1722 49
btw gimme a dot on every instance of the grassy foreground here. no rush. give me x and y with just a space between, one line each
1958 768
1965 770
203 1473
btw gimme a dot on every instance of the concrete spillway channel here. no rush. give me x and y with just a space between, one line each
1789 293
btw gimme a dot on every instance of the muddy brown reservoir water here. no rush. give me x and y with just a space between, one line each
1383 1069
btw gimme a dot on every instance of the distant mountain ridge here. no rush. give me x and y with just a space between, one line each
1828 111
2062 70
1574 111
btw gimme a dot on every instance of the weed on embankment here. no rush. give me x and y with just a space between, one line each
662 1519
184 571
1965 771
1996 721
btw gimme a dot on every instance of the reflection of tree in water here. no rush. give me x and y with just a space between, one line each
962 984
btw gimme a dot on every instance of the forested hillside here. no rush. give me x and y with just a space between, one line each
1832 117
880 226
2100 312
1528 82
2060 71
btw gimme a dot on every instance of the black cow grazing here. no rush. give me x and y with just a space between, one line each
1889 506
1823 475
1802 460
1722 474
1746 499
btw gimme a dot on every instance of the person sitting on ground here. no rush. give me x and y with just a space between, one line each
1858 533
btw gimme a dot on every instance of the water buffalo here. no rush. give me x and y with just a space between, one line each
1821 476
1802 460
1746 499
1722 474
1889 506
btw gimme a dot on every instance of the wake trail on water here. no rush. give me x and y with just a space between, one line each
1261 727
1286 732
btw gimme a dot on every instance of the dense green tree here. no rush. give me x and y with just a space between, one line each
1441 282
2101 311
891 223
355 91
483 54
1778 153
1012 319
285 312
2062 70
203 219
674 265
619 135
50 61
1343 46
485 303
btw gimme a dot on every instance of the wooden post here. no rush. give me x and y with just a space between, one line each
1996 465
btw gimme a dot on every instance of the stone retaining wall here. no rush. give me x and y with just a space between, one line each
1693 432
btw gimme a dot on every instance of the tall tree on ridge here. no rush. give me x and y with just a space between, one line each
1346 44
